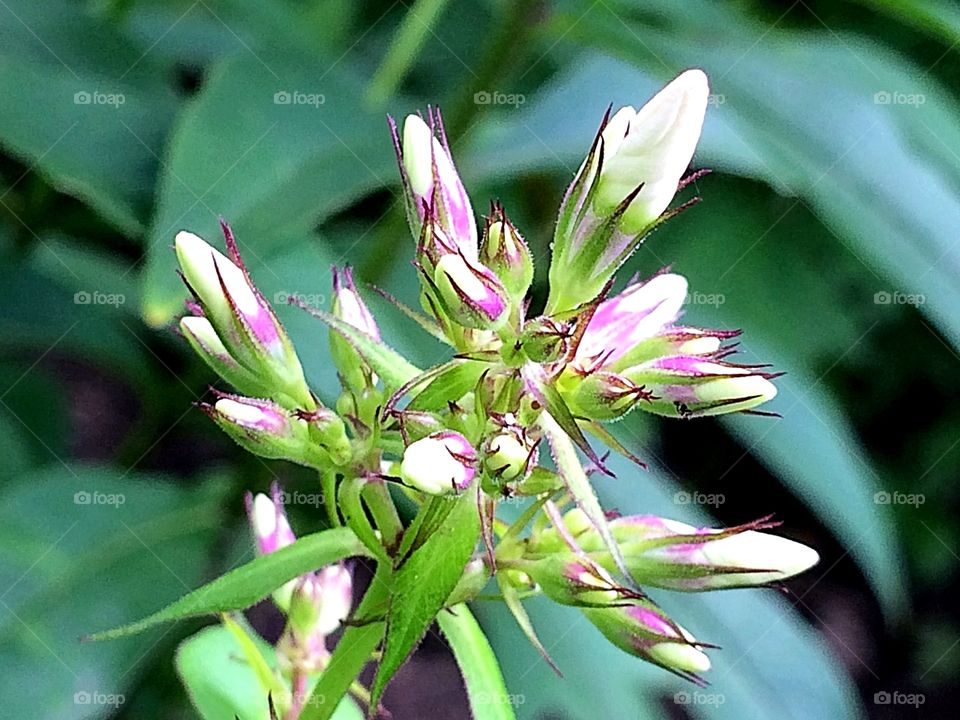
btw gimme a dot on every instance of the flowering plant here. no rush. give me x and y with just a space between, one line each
414 464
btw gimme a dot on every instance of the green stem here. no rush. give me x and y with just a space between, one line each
356 517
328 486
417 24
384 512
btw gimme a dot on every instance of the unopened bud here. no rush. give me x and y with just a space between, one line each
206 343
544 339
265 429
431 183
505 252
507 455
444 462
642 629
242 318
686 387
472 295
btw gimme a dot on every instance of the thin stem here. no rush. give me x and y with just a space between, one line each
299 690
384 512
407 43
328 486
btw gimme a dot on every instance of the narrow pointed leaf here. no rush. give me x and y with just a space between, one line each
250 583
512 600
423 584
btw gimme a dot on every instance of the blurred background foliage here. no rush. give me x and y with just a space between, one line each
828 232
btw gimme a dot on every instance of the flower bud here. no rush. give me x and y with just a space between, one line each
568 580
241 317
349 307
626 182
544 339
507 455
674 555
431 183
675 340
506 254
206 343
651 147
335 598
472 295
268 520
444 462
271 531
642 629
265 429
605 395
475 577
687 387
636 314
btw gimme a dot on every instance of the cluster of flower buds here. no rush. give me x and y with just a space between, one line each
475 424
315 604
236 332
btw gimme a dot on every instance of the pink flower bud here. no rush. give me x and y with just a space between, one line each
444 462
349 306
268 520
642 629
472 295
432 186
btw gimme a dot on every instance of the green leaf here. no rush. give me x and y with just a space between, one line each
423 584
82 545
274 169
455 382
486 689
49 65
242 587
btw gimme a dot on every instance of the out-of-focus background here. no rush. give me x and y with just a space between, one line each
828 231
